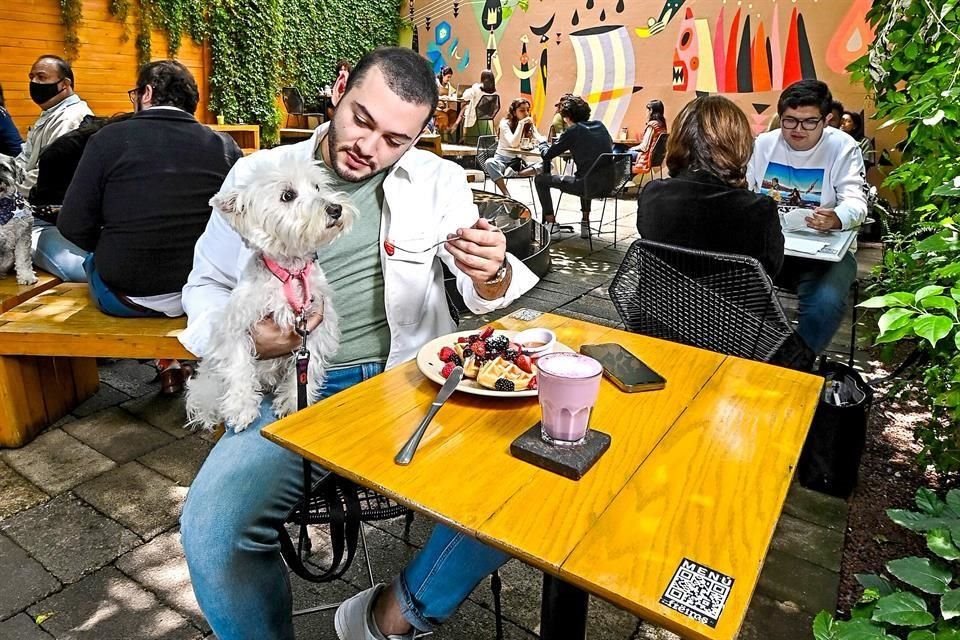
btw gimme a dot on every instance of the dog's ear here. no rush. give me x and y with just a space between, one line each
228 202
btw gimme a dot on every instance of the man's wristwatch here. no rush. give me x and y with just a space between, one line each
500 275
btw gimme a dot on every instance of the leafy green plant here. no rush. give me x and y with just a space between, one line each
920 600
912 68
71 17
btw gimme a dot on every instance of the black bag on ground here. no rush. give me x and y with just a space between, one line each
831 454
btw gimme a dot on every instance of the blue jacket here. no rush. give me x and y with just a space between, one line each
10 141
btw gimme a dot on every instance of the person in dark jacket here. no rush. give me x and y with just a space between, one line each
58 163
10 140
705 204
139 199
586 140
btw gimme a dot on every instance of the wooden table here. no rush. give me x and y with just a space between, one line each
695 476
458 150
246 135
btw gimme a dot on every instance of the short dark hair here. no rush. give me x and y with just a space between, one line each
407 74
63 67
488 81
343 64
836 105
806 93
172 83
576 109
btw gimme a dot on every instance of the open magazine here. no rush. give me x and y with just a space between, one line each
802 241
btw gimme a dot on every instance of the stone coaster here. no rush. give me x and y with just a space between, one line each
570 461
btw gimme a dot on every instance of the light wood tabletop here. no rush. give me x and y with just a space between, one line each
675 518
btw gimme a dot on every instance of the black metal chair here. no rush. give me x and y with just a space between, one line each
294 104
717 301
608 177
486 110
486 149
657 157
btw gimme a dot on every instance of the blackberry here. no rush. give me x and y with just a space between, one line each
497 343
502 384
473 337
455 359
510 355
467 352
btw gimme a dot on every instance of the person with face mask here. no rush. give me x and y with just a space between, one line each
52 89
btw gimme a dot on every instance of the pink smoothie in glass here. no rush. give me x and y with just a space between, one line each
568 385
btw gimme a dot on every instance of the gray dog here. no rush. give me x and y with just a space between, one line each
16 223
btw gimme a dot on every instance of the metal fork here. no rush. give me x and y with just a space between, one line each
397 247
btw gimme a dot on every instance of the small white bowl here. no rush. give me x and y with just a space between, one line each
536 342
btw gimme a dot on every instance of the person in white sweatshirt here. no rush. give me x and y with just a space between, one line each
825 167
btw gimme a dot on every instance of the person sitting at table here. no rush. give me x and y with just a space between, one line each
587 140
656 127
248 484
705 204
507 162
444 88
827 165
139 199
851 123
557 125
468 113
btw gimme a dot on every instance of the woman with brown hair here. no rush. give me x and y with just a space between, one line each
705 204
507 162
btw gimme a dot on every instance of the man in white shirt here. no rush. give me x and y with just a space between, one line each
818 168
52 88
390 303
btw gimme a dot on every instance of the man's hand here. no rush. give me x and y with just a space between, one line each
479 251
270 341
823 220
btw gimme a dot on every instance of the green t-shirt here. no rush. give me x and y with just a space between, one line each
352 266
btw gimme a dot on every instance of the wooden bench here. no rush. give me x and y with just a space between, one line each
48 349
12 294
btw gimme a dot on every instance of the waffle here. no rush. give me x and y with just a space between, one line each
470 368
498 368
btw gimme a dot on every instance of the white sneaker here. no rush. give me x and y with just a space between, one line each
509 172
354 618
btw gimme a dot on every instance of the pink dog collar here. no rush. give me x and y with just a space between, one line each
298 304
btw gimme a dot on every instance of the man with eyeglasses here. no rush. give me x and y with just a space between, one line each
823 169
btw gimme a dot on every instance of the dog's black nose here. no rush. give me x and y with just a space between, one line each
334 210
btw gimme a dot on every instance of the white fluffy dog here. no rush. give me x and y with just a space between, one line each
284 215
16 223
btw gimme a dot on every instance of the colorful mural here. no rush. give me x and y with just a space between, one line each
618 55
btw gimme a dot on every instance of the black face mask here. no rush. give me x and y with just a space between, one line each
42 93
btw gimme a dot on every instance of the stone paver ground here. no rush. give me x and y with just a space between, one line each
89 540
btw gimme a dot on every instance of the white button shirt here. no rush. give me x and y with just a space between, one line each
425 198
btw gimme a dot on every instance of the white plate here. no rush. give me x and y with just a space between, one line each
429 363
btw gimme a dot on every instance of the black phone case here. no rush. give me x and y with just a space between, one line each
618 362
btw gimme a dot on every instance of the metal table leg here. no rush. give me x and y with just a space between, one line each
563 610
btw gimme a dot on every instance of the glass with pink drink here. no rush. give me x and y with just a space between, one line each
568 385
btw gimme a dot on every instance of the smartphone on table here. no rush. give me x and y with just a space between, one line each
624 369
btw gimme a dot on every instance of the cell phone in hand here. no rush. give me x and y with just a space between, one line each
622 368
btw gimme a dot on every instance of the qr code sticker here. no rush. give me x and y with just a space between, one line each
698 592
526 314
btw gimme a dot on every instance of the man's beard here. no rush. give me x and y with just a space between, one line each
334 163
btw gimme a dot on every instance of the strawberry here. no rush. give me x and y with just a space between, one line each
533 383
446 354
388 247
486 332
463 339
447 369
523 361
479 349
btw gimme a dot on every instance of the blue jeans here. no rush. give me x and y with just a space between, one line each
242 494
110 302
55 254
822 290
